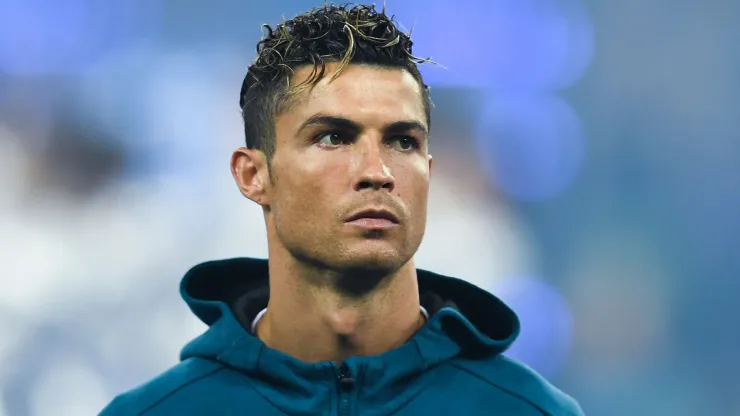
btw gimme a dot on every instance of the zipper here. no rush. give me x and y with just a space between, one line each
345 384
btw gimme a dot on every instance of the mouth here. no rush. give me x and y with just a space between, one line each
374 216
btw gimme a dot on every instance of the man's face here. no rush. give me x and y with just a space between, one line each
354 144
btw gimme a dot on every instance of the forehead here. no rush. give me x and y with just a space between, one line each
363 93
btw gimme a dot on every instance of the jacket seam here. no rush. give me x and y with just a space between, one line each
507 391
178 388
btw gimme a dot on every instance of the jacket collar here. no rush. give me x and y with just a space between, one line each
470 322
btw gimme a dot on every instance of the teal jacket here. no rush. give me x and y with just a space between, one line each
452 366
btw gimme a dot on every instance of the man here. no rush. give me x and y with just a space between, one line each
338 320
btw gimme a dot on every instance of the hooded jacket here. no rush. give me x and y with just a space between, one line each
452 366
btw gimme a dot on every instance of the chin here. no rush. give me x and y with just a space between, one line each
373 258
356 256
364 269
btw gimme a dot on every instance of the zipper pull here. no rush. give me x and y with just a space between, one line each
346 380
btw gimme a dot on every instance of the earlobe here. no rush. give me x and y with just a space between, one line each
246 167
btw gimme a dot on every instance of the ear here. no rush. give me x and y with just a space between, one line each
430 165
249 169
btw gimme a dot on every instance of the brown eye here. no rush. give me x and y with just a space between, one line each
331 139
405 143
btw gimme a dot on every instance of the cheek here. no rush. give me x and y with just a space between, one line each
324 180
311 189
412 187
413 175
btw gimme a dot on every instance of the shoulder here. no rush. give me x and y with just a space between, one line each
519 380
142 399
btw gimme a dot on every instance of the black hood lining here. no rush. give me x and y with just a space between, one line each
243 284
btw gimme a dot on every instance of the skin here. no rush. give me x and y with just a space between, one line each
338 290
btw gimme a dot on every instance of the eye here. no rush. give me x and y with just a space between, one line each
404 143
331 139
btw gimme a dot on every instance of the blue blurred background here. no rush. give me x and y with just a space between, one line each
587 172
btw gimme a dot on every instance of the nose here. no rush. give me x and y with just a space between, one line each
373 172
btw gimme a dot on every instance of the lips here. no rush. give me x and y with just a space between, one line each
376 214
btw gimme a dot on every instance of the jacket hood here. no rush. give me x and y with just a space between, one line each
227 294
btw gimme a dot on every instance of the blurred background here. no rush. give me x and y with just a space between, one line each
587 171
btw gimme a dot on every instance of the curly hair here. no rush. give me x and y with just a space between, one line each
349 34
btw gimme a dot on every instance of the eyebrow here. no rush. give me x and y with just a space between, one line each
342 123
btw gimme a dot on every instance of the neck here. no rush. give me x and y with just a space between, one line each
310 317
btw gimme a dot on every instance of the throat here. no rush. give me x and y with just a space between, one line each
338 337
312 320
